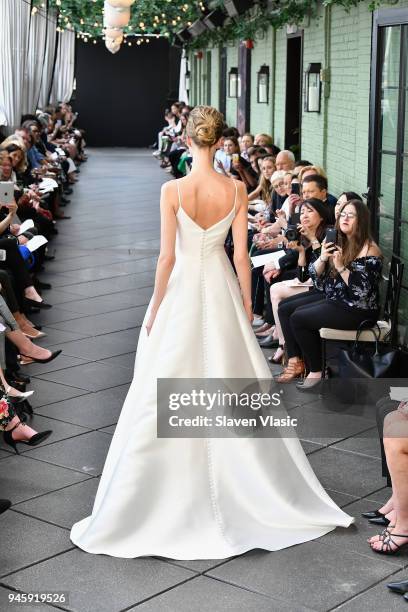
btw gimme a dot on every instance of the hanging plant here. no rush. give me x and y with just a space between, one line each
167 17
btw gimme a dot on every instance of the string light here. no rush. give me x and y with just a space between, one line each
85 18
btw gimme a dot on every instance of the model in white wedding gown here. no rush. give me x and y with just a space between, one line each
200 498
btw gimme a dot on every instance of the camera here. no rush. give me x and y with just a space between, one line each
292 233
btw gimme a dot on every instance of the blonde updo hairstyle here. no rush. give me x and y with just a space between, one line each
205 126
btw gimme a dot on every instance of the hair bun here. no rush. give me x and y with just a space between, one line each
205 125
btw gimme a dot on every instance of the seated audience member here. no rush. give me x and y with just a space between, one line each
348 276
165 137
312 228
395 537
254 153
299 165
246 142
311 169
179 147
264 189
343 198
315 186
263 140
222 161
285 160
239 167
231 148
272 149
279 194
265 220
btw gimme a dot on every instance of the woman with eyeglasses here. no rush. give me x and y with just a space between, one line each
348 274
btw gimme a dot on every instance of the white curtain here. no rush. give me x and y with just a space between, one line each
35 59
183 94
63 81
14 30
49 60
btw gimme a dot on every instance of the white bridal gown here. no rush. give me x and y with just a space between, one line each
200 498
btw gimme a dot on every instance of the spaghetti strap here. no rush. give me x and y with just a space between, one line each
178 191
236 191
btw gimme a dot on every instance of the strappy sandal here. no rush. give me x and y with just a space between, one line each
291 372
388 542
385 532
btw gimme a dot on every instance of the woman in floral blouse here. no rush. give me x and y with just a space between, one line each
348 274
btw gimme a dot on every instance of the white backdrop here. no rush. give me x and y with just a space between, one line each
31 65
49 59
63 83
35 60
14 31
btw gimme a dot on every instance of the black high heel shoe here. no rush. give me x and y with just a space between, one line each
33 441
17 377
376 517
370 514
33 304
53 355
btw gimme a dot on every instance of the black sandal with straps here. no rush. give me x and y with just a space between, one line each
387 543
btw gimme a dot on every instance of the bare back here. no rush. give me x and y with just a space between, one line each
207 200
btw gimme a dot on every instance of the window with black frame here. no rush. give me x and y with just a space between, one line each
389 154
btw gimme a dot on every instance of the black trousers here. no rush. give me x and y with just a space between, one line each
15 264
307 319
174 158
7 291
286 309
258 283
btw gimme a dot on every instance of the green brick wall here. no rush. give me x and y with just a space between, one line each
215 83
261 114
232 62
348 102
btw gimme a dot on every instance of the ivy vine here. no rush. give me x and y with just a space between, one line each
167 17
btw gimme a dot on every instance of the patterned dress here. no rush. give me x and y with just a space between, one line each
7 413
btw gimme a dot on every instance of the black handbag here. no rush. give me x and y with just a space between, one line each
370 360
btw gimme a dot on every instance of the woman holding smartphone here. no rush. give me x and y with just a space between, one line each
348 275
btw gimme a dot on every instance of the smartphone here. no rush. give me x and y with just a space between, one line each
295 218
331 235
2 255
6 192
296 188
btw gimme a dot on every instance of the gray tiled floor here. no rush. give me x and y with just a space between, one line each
102 280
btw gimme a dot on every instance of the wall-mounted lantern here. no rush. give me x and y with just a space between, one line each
313 88
233 83
263 85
